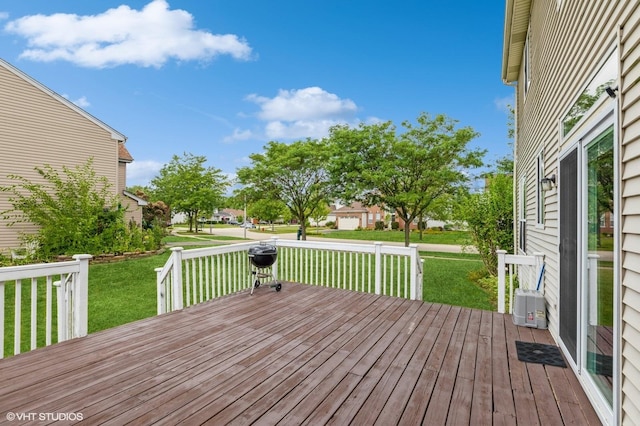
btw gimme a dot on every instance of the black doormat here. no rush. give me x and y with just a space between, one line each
540 353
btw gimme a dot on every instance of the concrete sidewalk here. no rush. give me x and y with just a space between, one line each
251 234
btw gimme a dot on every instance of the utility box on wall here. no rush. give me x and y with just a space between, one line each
529 309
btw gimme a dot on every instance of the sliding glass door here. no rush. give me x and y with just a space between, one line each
598 287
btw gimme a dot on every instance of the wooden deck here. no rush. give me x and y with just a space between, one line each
305 355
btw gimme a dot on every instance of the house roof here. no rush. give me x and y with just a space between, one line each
114 133
353 207
516 25
123 154
140 201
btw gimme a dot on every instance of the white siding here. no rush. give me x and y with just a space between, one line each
630 190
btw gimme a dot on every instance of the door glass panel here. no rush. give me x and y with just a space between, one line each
600 282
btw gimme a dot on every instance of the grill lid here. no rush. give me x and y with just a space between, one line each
263 249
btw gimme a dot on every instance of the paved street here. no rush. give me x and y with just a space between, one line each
252 234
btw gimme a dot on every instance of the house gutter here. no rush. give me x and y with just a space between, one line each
516 25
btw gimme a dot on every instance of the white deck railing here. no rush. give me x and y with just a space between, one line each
528 269
71 281
193 276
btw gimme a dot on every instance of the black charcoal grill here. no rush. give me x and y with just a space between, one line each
262 258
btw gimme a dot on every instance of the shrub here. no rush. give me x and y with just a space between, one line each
395 225
76 212
379 226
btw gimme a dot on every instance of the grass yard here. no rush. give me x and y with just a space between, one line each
428 237
446 280
123 292
200 237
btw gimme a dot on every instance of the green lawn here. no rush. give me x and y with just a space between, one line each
446 280
428 237
199 237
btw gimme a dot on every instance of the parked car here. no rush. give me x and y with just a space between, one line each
247 225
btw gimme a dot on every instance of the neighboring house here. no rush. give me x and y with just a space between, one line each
356 216
228 215
38 127
575 66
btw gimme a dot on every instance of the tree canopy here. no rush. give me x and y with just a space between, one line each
403 171
292 173
187 186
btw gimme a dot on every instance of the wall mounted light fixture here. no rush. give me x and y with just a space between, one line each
611 91
548 182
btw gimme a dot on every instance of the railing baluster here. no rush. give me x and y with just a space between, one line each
17 317
1 319
34 313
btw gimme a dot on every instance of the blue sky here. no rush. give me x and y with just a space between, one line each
222 78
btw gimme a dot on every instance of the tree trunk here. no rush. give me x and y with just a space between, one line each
407 233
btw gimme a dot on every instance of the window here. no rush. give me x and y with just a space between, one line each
597 87
522 215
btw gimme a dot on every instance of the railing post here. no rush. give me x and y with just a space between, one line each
274 267
421 280
378 267
413 282
80 293
63 318
161 293
177 301
501 279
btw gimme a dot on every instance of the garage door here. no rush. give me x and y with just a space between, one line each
348 223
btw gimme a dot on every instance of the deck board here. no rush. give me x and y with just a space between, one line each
305 355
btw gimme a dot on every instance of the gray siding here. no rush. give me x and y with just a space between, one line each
630 193
37 128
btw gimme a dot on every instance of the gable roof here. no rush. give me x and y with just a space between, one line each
516 25
114 133
140 201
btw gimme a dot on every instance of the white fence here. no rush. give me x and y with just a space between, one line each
71 282
528 269
193 276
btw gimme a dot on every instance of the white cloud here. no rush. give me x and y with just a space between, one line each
303 104
238 135
82 101
503 104
141 172
3 16
308 112
148 37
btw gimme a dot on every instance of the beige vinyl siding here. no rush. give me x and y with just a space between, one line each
567 47
630 193
36 128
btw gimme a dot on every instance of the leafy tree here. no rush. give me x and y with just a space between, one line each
405 172
489 217
187 186
319 212
292 173
75 210
268 210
